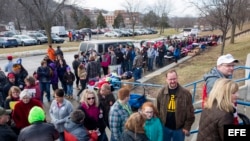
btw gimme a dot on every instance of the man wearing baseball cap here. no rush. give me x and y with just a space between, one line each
6 133
224 69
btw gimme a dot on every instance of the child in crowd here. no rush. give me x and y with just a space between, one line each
69 78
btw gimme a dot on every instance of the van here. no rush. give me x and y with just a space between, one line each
59 31
190 32
101 46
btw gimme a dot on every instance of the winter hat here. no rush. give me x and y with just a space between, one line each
11 75
9 57
24 93
36 114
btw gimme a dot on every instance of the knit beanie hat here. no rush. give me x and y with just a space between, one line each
36 114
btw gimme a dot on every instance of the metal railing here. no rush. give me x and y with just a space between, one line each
194 85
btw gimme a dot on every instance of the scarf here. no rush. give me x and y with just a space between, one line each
236 121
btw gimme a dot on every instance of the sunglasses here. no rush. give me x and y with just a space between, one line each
91 98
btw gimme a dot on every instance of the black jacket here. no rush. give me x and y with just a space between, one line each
7 134
39 131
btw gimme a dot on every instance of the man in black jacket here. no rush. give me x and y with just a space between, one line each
6 133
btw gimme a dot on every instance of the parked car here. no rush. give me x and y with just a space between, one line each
112 34
39 37
56 39
8 42
7 34
25 40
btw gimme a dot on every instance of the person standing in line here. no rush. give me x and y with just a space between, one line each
106 61
224 69
54 77
43 73
69 78
106 99
137 66
60 110
94 122
13 97
51 53
8 67
153 126
93 69
61 70
59 51
175 107
38 129
82 74
134 130
6 133
21 110
74 125
33 89
75 65
151 53
119 113
218 111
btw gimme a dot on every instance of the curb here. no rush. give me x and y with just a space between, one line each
34 53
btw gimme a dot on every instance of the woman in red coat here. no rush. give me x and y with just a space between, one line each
22 108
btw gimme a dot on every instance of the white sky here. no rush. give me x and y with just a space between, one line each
180 8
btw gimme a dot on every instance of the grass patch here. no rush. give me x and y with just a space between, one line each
194 69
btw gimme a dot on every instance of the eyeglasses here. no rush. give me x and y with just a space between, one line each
89 98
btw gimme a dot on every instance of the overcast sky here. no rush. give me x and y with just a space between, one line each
180 7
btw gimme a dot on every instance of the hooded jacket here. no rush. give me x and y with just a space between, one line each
54 78
78 130
212 76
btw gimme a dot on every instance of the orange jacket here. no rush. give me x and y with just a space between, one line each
51 54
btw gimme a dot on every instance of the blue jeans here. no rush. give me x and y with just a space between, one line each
137 73
103 137
45 87
112 138
173 135
70 90
150 64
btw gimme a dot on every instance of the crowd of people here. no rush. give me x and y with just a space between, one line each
22 115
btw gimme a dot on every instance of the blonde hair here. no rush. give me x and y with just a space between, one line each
13 89
84 97
221 93
136 122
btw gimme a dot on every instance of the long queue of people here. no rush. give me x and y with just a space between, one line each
171 118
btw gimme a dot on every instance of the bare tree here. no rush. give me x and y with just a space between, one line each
44 12
163 8
217 13
238 15
132 7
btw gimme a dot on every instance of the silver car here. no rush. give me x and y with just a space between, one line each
25 40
